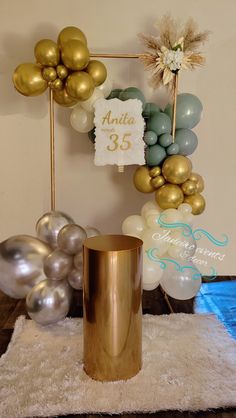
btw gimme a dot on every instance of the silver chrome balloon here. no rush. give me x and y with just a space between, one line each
21 264
91 231
70 239
49 301
49 225
78 261
57 265
75 278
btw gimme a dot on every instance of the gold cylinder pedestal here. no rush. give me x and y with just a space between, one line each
112 307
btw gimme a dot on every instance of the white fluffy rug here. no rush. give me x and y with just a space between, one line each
189 363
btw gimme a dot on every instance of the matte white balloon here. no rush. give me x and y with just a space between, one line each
170 216
133 225
106 87
154 238
49 301
182 247
150 205
185 208
49 225
81 120
181 285
152 217
88 105
152 274
21 264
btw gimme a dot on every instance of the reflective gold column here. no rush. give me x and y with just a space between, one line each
112 307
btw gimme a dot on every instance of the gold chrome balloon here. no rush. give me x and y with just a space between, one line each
28 79
158 181
155 171
197 202
98 72
189 187
47 52
49 74
142 180
169 196
80 85
56 84
62 98
62 71
176 169
75 55
198 180
69 33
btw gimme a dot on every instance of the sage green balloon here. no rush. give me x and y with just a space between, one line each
159 123
188 111
187 141
155 155
114 94
165 140
150 138
132 93
173 149
150 109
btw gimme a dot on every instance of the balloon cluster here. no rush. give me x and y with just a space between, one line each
46 269
64 66
170 246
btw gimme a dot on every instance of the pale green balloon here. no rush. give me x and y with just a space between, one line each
114 94
188 111
132 93
165 140
150 138
150 109
155 155
173 149
187 141
159 123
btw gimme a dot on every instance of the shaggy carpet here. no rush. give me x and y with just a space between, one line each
189 363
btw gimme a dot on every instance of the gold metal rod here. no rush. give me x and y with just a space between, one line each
174 105
102 55
52 150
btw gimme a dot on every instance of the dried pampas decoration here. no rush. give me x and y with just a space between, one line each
175 48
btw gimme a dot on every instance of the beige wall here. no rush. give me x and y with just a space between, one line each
95 195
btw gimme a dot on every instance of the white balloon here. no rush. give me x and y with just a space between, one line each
189 219
150 205
81 120
152 274
88 105
185 208
183 247
133 225
106 87
170 216
181 285
151 218
152 238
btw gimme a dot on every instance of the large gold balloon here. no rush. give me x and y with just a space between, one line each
80 85
75 55
142 180
197 202
189 187
63 98
169 196
69 33
158 181
176 169
28 79
47 52
98 72
198 180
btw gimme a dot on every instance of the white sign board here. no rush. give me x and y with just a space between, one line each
119 132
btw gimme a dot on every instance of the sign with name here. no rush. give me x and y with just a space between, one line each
119 132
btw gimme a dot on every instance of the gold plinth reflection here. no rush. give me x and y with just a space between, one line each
112 307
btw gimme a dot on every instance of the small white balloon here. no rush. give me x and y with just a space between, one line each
81 120
151 218
181 247
189 219
88 105
155 238
185 208
152 274
150 205
183 284
133 225
170 216
106 87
